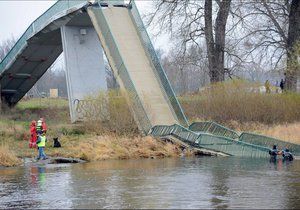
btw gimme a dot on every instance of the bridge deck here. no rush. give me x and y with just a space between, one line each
36 50
139 66
133 67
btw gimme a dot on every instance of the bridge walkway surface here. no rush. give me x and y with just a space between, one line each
137 68
148 90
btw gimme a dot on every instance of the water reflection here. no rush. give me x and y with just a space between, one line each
167 183
37 176
219 186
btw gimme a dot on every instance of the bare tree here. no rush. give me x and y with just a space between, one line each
5 47
215 44
271 32
188 72
54 78
191 21
293 46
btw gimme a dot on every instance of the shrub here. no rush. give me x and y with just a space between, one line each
109 113
241 101
8 157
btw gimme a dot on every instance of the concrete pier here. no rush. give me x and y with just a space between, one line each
85 71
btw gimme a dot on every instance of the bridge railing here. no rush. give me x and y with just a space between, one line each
213 128
212 142
269 142
59 9
159 72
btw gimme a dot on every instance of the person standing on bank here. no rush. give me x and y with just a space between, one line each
33 135
282 85
268 86
41 143
41 126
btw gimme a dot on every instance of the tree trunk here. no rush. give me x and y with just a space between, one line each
293 46
215 46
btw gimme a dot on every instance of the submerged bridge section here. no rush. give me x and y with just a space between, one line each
210 135
82 30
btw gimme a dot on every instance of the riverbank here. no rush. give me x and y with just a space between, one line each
93 148
118 137
90 141
90 147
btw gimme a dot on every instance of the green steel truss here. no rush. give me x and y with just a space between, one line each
211 142
59 9
251 138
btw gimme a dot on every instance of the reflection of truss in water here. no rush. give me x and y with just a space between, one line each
91 109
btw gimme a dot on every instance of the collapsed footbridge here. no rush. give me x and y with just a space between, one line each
82 30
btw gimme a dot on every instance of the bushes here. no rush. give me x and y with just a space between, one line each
241 101
8 157
116 147
112 115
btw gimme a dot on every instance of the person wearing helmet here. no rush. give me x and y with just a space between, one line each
41 126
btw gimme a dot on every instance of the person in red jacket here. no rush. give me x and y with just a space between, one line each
33 135
44 125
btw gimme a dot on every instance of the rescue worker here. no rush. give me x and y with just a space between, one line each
268 86
287 155
44 125
33 135
41 143
282 85
41 126
273 152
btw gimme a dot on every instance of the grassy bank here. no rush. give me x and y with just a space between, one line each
234 104
95 148
238 105
117 138
286 131
8 157
240 101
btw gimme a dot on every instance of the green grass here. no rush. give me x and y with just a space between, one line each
42 103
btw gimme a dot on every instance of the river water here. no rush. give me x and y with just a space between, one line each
205 182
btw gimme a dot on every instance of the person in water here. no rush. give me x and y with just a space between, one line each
287 155
274 152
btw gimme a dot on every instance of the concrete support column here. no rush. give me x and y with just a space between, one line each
85 70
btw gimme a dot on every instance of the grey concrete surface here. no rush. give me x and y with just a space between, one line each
84 65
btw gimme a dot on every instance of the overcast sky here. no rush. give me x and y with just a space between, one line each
16 16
